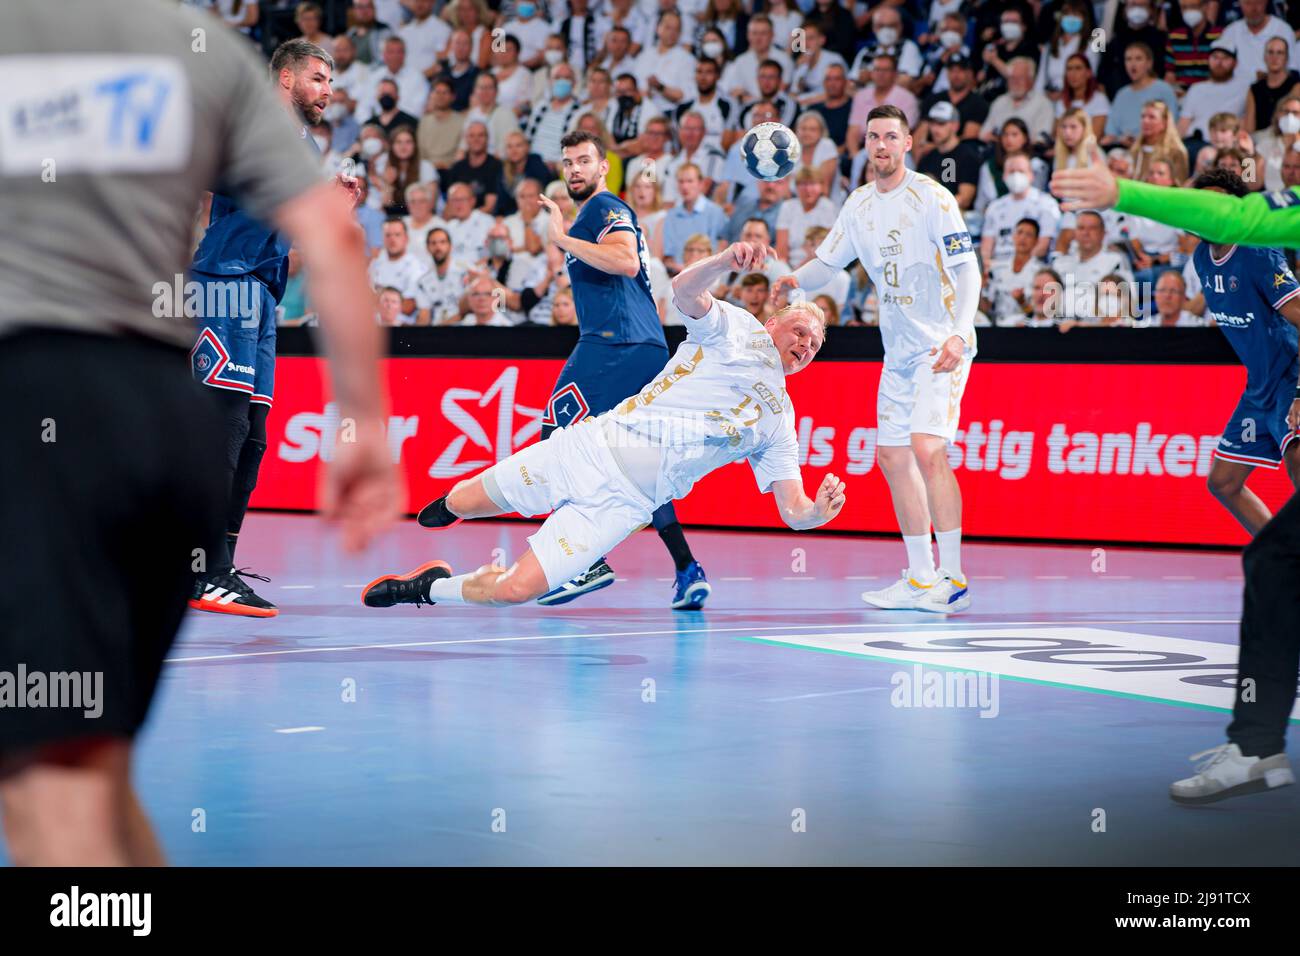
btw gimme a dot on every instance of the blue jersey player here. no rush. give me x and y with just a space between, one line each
620 348
241 266
1254 298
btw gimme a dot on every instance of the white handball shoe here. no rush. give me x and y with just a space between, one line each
1225 773
948 595
905 594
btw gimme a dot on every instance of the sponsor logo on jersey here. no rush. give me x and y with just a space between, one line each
1233 284
1282 278
896 248
891 299
1281 200
1236 321
957 243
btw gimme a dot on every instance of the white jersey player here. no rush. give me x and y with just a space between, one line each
720 399
908 233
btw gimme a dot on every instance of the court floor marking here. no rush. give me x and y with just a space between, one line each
678 631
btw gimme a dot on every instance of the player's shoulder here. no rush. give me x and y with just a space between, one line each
860 195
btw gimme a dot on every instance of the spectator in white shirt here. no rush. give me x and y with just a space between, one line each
887 27
531 31
811 208
1250 35
412 86
467 226
514 80
807 82
1085 271
527 227
1009 293
1223 92
397 266
709 160
438 292
655 156
1022 100
426 37
484 108
740 78
666 71
1022 200
1171 304
483 299
390 308
818 151
420 219
633 22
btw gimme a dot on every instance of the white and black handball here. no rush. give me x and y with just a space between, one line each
771 152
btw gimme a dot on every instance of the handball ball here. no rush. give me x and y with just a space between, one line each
771 151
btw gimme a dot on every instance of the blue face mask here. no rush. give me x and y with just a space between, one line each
526 10
1071 23
562 88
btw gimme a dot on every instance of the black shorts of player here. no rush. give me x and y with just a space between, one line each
597 377
110 487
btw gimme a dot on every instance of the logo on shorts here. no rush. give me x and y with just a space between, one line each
202 363
570 548
528 479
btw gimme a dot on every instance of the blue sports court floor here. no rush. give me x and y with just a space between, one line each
768 729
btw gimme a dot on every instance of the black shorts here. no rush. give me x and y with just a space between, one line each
110 485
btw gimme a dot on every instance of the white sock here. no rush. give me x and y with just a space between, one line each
950 552
449 590
920 558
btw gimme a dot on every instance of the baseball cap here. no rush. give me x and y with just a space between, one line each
942 112
961 60
1223 46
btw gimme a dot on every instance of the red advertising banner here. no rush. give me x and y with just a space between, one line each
1080 452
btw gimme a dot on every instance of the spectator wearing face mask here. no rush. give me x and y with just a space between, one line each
1011 39
525 283
532 31
888 39
551 118
1136 21
1073 35
1187 47
950 44
1023 200
1278 142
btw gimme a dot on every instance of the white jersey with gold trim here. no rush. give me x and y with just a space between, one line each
907 239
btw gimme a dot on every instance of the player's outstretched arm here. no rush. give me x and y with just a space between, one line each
1256 220
802 513
691 286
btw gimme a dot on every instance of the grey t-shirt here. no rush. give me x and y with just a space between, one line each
114 119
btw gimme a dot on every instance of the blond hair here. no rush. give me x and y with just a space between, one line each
1081 154
807 306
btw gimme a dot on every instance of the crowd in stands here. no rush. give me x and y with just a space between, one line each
451 113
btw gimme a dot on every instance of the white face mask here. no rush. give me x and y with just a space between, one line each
713 50
1193 18
1012 31
1017 183
1138 16
372 147
554 57
950 38
887 36
1289 124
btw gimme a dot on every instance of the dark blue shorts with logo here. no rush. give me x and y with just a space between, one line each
235 350
597 377
1258 433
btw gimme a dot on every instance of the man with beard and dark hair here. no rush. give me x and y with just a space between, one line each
242 265
620 347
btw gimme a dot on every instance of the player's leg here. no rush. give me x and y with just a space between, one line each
1254 759
935 417
1291 459
906 490
250 455
1227 482
691 587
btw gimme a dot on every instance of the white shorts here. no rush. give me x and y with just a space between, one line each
592 504
912 398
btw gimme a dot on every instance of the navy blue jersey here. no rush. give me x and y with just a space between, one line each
1243 292
613 309
236 244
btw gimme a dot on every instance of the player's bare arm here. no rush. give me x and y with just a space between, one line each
616 253
691 286
802 513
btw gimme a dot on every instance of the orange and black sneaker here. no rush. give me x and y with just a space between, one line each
409 588
229 593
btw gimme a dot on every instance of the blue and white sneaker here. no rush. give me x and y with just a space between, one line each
692 588
948 595
905 594
599 575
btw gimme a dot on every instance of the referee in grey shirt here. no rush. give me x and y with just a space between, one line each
114 119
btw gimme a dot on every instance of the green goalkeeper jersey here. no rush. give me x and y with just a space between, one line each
1260 219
